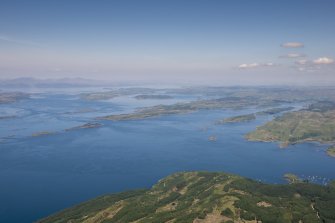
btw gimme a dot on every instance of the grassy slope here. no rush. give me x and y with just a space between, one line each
331 151
208 197
293 127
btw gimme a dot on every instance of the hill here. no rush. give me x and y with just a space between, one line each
317 123
208 197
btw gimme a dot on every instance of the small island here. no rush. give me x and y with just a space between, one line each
239 118
10 97
99 96
43 133
212 138
152 96
80 111
106 95
85 126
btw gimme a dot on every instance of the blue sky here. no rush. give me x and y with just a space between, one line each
228 42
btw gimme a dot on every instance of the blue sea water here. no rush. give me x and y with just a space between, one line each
42 175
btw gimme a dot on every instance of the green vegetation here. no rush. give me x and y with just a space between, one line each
250 117
292 178
220 98
322 106
240 118
152 96
187 107
115 93
43 133
208 197
85 126
317 123
331 151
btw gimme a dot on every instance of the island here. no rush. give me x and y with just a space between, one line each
331 151
227 98
200 197
105 95
239 118
99 96
85 126
192 106
43 133
80 111
250 117
10 97
152 96
316 123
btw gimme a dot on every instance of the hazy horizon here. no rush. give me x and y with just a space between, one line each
24 82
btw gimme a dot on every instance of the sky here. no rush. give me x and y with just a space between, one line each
221 42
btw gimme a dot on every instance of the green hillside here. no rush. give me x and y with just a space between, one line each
208 197
317 123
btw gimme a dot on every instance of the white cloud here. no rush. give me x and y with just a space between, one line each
293 55
323 60
245 66
255 65
314 65
292 45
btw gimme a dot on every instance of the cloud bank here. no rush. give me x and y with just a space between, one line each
323 60
293 55
292 45
255 65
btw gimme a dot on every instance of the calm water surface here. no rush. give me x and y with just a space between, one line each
41 175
